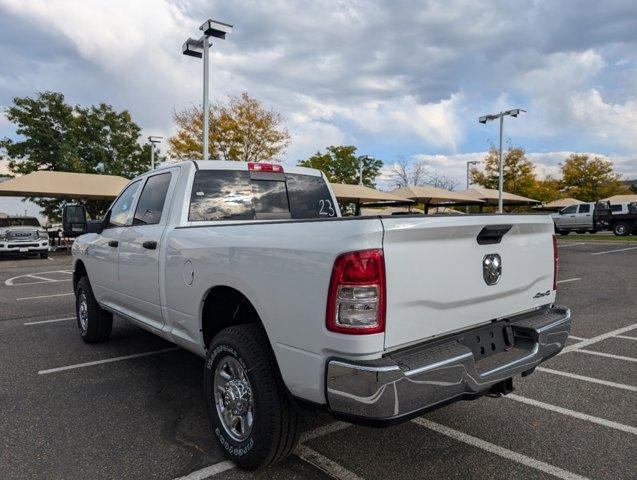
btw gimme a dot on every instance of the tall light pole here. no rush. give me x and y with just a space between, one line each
469 163
361 159
487 118
201 48
153 139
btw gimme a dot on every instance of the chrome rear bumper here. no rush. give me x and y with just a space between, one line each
438 371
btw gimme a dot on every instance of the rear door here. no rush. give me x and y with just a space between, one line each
435 272
584 216
139 251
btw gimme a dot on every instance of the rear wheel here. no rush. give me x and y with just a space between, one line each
563 232
44 255
621 229
94 323
254 418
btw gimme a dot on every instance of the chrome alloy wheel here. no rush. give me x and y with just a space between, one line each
82 311
233 398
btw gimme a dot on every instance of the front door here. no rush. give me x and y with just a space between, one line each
104 249
139 254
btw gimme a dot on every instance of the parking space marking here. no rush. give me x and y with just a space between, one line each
599 338
626 337
607 355
39 279
577 338
498 450
106 360
325 464
570 244
614 251
573 413
324 430
50 321
569 280
587 379
45 296
209 471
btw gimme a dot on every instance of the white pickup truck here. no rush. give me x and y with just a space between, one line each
374 319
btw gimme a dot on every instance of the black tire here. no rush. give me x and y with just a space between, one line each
99 322
621 229
563 232
275 428
44 255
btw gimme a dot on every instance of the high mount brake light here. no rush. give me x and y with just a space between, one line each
265 167
556 259
356 297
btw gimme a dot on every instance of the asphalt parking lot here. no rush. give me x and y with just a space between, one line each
133 407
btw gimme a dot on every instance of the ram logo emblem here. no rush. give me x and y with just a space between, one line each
491 268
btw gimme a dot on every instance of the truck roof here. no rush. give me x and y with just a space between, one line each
241 166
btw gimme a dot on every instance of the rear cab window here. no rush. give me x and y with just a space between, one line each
243 195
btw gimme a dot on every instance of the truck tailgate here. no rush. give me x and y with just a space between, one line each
434 273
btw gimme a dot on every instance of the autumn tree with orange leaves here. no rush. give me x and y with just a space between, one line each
241 129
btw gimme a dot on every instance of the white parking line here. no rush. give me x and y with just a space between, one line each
614 251
45 296
106 360
36 275
599 338
562 245
630 388
324 430
209 471
626 337
607 355
577 338
50 321
325 464
569 280
573 413
497 450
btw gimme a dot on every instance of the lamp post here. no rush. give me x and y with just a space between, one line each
198 49
487 118
361 159
469 163
153 139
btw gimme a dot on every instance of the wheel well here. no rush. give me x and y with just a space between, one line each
78 272
225 307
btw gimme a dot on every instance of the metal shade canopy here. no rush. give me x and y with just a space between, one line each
559 203
619 198
434 196
362 194
49 184
491 196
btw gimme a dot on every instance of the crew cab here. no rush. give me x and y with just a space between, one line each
21 236
592 217
375 319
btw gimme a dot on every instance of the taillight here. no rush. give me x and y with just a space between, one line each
356 298
265 167
556 258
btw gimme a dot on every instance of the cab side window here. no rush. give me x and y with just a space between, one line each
123 207
569 210
586 208
151 201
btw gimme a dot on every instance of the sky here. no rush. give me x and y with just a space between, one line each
401 79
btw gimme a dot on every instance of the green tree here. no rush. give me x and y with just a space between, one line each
340 165
53 135
547 190
519 177
590 179
240 129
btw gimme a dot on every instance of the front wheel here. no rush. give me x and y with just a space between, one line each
563 232
253 417
44 255
94 323
621 229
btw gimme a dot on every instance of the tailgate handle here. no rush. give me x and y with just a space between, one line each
492 234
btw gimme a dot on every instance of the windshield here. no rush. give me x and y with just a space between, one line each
19 222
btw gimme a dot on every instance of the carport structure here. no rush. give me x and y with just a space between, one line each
490 197
50 184
433 196
558 204
360 195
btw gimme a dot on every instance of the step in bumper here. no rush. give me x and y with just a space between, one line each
433 373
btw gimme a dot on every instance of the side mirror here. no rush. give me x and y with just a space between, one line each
74 220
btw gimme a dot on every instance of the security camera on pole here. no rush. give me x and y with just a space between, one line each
198 49
487 118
